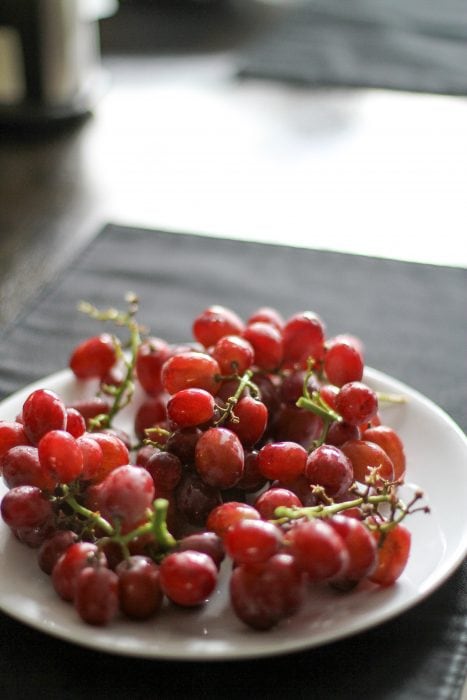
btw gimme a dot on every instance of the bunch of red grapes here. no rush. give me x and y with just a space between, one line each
258 444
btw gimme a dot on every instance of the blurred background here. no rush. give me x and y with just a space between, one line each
335 125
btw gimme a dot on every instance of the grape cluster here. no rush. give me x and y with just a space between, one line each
258 442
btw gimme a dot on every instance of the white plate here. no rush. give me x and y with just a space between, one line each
437 461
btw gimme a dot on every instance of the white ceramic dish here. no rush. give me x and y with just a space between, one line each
437 462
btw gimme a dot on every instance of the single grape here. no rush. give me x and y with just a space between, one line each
34 536
272 498
93 357
340 431
21 467
96 597
191 369
317 549
25 506
139 587
125 494
366 456
43 410
190 407
92 455
214 323
343 363
75 423
392 555
233 354
292 385
226 514
188 578
391 443
165 469
282 460
356 403
219 458
266 341
11 435
329 467
60 456
303 335
91 408
151 355
182 443
293 424
249 421
252 541
265 593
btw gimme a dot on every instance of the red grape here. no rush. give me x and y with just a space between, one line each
263 594
282 460
43 410
125 494
191 369
60 456
317 549
390 442
226 514
11 435
25 506
93 357
329 467
151 355
139 587
190 407
303 335
252 541
356 403
266 341
343 363
365 456
188 578
219 458
233 354
214 323
249 421
392 556
96 595
21 467
272 498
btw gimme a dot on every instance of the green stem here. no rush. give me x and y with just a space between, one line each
95 518
284 513
245 380
319 408
157 525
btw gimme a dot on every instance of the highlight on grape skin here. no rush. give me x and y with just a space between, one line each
256 446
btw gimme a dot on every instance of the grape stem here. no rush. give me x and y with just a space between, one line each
123 393
228 411
399 510
156 524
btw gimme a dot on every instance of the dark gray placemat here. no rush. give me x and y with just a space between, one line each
415 45
412 319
